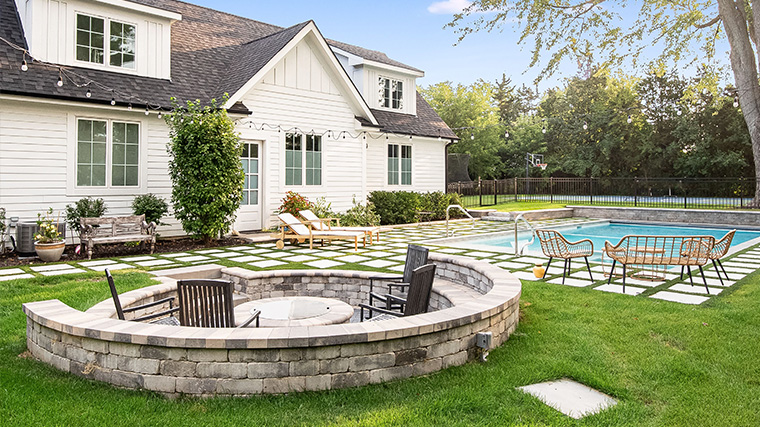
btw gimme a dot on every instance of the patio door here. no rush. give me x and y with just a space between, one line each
249 214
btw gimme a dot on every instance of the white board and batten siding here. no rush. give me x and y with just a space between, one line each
38 159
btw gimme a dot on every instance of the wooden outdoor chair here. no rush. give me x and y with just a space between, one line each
554 245
292 228
165 317
326 224
416 256
416 301
207 303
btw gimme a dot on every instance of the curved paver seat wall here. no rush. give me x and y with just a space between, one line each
205 362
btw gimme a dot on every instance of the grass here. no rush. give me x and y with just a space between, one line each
667 364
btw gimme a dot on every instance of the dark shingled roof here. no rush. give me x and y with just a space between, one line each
212 53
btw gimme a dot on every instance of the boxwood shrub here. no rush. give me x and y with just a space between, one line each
403 207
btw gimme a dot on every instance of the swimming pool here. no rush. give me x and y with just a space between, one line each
601 231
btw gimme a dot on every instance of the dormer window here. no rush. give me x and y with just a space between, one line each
91 45
391 93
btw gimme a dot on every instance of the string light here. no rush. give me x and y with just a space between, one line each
129 107
736 101
585 126
24 66
60 81
88 94
159 115
629 119
472 135
679 112
506 134
410 137
113 101
147 111
543 130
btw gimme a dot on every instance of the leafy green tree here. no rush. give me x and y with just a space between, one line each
681 30
471 113
207 177
525 137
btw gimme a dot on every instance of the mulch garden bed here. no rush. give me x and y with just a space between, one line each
120 249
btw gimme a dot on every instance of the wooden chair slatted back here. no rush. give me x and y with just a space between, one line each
416 256
206 303
420 286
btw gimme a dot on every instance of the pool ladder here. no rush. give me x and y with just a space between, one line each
461 209
519 249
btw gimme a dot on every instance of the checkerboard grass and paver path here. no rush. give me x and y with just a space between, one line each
389 255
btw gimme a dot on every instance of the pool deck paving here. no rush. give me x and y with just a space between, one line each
389 254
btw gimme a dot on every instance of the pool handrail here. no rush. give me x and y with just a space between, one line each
461 209
519 249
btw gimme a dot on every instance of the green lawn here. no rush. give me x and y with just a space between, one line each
667 363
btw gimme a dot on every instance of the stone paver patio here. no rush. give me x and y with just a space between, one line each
389 253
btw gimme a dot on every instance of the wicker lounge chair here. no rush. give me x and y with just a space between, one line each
165 317
326 224
719 251
554 245
686 251
292 228
207 303
416 302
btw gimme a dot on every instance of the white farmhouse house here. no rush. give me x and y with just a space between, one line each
82 83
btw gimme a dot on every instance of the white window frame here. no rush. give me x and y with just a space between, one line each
106 64
248 175
109 157
399 174
303 139
382 99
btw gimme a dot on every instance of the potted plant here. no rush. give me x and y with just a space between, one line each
48 242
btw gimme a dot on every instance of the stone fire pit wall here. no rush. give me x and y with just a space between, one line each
176 360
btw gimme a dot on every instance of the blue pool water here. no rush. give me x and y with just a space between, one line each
613 232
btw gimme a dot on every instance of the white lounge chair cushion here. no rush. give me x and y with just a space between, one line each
299 228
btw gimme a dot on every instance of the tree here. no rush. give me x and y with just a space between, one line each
586 29
207 177
472 115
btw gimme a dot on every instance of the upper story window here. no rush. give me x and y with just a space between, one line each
303 157
91 43
391 93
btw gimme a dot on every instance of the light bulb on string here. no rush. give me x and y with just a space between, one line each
410 137
678 112
147 112
439 139
543 130
113 101
129 107
472 136
506 134
585 125
386 136
88 94
60 81
630 119
159 115
736 101
24 65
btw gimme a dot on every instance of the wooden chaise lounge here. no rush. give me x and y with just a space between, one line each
686 251
326 224
292 228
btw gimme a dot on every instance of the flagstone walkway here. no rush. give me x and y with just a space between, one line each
389 255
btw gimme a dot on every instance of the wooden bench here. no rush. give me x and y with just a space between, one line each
686 251
116 229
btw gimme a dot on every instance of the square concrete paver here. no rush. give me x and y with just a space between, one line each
525 275
682 298
9 271
352 258
246 258
299 258
226 254
71 270
209 251
192 258
696 289
15 276
323 263
154 262
569 397
111 267
569 281
138 258
618 289
266 263
43 268
95 263
512 265
175 255
378 263
534 261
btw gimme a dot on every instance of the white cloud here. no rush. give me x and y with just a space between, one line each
448 7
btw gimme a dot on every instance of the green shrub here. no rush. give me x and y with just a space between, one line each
153 207
360 216
84 208
395 207
322 208
437 202
204 166
293 202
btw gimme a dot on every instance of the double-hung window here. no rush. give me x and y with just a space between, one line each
399 164
303 159
108 153
100 38
391 93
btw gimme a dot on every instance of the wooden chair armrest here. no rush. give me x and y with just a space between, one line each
254 316
371 309
155 315
170 300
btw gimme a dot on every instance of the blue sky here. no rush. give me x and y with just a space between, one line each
409 31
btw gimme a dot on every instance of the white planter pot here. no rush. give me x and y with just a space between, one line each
50 252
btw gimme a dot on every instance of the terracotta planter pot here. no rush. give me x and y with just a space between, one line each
50 252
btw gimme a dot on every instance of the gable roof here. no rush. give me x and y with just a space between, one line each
213 53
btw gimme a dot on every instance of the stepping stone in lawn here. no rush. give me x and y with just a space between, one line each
209 251
43 268
378 263
266 263
378 254
246 258
9 271
111 267
71 270
584 275
569 397
397 267
618 289
401 258
327 254
534 260
479 254
192 258
174 255
524 275
256 251
681 298
731 269
137 258
696 289
511 265
277 254
15 276
352 258
94 263
637 282
154 262
299 258
323 263
569 281
239 248
226 254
